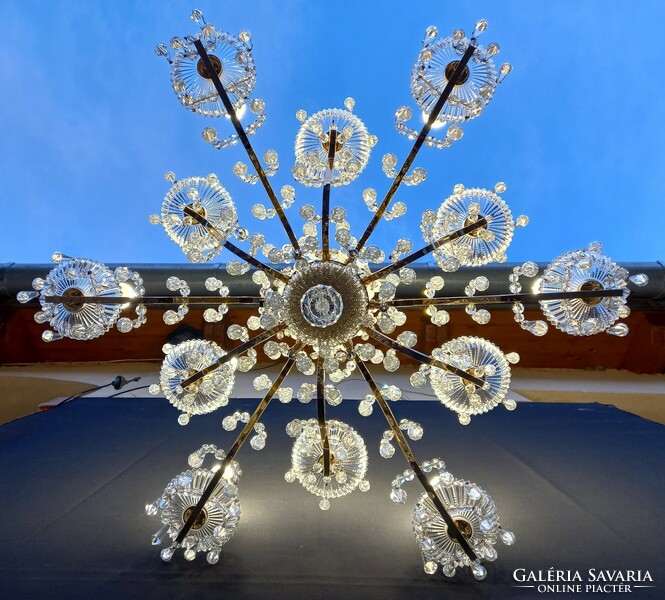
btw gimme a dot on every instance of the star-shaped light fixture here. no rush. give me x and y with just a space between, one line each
327 302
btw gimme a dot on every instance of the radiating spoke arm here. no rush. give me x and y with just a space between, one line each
321 414
256 340
325 203
453 530
268 270
424 358
499 298
201 220
228 105
156 301
436 110
230 455
480 223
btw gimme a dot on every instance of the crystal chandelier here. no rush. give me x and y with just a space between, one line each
326 302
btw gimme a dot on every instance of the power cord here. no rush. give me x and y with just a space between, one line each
140 387
118 383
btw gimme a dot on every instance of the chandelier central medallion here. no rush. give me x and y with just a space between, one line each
324 304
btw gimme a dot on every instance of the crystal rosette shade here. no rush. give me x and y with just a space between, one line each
464 207
187 358
433 70
484 360
348 456
328 304
579 270
217 521
206 198
353 145
474 513
233 63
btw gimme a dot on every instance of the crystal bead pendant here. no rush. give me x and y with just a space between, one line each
321 306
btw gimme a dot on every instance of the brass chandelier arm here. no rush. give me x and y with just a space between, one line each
233 450
325 203
212 73
438 107
255 341
156 301
499 298
267 269
453 530
201 220
321 413
423 358
479 224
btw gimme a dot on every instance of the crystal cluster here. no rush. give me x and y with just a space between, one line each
185 359
205 197
348 457
475 515
586 270
219 518
485 361
352 148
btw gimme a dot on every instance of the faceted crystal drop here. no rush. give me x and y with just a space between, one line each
430 567
507 537
479 572
166 554
640 280
321 306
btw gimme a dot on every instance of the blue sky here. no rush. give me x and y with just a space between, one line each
89 123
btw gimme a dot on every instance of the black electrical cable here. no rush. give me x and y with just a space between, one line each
118 383
140 387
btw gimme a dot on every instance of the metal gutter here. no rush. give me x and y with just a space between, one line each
15 277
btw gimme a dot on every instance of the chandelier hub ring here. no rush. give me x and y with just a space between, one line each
200 520
465 528
450 69
476 232
591 285
216 64
71 304
343 306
